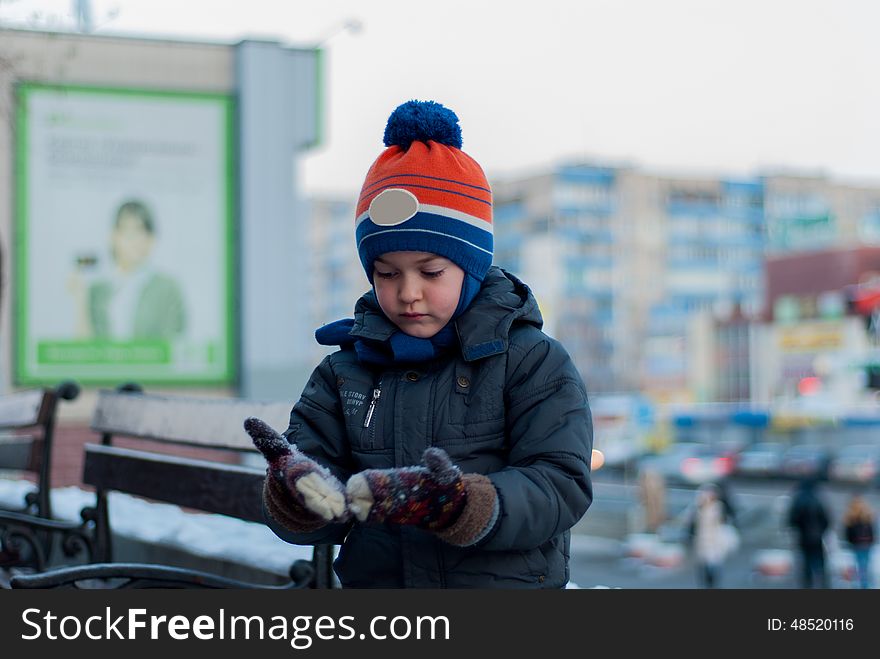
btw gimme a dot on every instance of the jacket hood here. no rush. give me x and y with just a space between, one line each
483 330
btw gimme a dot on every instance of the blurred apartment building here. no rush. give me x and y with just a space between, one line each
337 280
622 261
663 284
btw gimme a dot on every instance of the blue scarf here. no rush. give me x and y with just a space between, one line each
399 347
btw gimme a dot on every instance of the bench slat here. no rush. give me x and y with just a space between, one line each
23 408
16 452
207 486
217 423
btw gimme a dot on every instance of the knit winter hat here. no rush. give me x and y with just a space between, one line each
424 194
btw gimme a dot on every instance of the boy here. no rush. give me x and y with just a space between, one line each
447 443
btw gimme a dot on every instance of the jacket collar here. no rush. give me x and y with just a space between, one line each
483 330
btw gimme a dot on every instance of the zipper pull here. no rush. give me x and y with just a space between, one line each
376 394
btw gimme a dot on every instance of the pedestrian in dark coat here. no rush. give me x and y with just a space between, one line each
808 515
447 443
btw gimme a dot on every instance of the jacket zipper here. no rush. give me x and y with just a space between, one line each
376 393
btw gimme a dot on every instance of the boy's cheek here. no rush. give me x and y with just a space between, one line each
388 310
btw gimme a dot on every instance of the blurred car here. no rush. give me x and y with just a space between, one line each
691 462
857 463
806 461
761 459
621 423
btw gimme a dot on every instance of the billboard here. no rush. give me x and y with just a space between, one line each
123 236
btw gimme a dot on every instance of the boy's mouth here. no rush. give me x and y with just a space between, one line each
413 315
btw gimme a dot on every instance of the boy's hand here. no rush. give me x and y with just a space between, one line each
430 497
293 476
597 459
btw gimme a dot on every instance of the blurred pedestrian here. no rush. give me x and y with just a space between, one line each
713 536
809 517
858 530
652 494
725 495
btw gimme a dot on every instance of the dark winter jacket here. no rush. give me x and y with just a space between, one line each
809 517
508 403
860 533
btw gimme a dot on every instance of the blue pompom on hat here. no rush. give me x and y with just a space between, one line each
422 121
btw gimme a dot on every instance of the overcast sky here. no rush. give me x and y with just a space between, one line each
698 86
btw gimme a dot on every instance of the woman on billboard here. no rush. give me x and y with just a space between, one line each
131 300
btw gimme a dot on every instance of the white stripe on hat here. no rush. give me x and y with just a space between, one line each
443 211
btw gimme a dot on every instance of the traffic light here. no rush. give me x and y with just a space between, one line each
809 386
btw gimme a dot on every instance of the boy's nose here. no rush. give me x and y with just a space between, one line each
409 291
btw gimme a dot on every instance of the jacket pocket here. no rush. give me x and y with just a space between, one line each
362 407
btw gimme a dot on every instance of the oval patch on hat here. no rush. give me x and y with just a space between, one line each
393 206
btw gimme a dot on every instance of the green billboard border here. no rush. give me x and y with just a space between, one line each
23 90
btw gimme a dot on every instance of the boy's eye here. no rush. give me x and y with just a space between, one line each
433 274
384 275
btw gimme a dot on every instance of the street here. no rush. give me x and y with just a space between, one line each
608 549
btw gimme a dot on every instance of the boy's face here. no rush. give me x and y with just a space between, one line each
418 291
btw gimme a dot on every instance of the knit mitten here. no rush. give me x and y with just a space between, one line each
299 493
436 497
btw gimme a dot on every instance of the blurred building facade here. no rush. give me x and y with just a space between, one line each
633 258
820 335
812 212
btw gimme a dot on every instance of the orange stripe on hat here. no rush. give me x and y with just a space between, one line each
435 173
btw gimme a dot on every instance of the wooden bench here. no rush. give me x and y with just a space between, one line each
28 532
138 431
